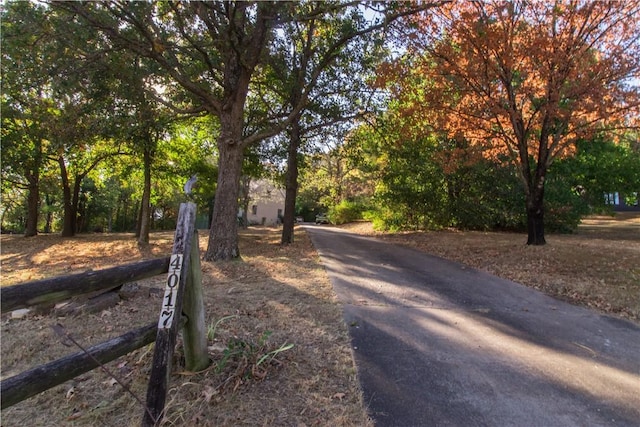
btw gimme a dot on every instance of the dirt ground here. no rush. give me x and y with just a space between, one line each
275 297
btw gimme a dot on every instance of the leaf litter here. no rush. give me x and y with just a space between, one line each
279 347
275 298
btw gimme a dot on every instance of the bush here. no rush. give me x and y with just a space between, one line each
345 212
564 208
385 219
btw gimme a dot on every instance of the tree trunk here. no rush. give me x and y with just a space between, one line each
239 66
223 235
535 226
49 217
535 213
69 219
137 222
145 214
291 183
83 218
33 197
245 188
33 205
75 203
71 199
211 204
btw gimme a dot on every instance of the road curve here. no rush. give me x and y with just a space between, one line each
437 343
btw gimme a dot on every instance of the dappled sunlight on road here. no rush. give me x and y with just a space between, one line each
438 341
584 373
578 367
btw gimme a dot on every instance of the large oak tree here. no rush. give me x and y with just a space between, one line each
526 79
320 61
210 51
26 103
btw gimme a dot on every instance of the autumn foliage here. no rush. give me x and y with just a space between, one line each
520 79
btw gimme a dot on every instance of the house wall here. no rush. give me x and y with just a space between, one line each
266 213
266 205
619 203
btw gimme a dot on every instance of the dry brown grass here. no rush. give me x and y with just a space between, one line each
598 266
284 291
280 292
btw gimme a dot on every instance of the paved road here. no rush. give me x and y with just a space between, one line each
440 344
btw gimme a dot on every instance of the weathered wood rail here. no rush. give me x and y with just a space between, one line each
29 383
182 307
58 289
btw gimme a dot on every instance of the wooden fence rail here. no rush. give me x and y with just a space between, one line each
182 307
29 383
58 289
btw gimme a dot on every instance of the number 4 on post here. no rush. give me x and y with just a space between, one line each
168 302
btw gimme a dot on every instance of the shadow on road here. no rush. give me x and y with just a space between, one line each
438 343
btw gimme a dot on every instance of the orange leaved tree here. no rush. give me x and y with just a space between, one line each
522 78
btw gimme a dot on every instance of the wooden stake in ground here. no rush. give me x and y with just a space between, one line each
171 308
194 332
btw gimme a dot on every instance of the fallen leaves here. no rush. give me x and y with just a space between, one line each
271 289
70 393
209 392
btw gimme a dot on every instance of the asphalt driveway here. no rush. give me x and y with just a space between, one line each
440 344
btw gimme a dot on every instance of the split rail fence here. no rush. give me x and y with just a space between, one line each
182 307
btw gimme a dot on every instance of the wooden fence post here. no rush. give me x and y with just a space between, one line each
183 273
194 333
170 315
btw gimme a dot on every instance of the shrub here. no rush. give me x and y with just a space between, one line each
564 208
345 212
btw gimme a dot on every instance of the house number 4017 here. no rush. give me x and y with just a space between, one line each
167 313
